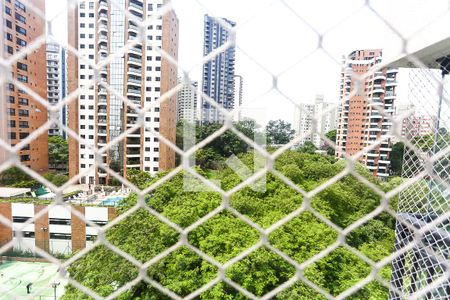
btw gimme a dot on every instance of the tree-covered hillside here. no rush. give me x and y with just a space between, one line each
224 236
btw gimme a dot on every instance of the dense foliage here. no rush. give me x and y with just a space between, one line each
279 132
58 152
15 177
213 155
397 158
224 236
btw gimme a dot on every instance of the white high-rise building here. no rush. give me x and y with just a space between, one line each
304 124
187 102
141 76
57 83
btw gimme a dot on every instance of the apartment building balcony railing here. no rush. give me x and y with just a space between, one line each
378 90
134 61
133 28
134 71
136 8
135 92
379 76
102 6
102 38
135 50
102 17
391 71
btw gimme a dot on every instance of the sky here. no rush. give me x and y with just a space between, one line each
280 39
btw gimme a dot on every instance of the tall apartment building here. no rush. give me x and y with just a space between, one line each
187 102
360 123
22 26
57 83
218 73
325 116
98 29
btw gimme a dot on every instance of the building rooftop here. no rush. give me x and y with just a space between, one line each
8 192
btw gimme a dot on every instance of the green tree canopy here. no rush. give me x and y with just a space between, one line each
224 236
279 132
58 152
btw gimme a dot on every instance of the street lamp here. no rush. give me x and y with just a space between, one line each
55 286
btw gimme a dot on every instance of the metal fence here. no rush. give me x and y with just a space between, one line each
420 265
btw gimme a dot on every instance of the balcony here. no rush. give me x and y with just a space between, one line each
102 38
134 61
102 17
102 92
134 82
392 71
136 8
134 71
133 28
378 90
133 92
379 76
135 50
102 7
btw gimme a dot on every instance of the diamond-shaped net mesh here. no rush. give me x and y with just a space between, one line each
275 221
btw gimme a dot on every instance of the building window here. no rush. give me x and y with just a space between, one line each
11 99
23 124
11 111
21 42
18 219
22 66
12 123
58 221
20 6
9 37
21 30
22 78
60 236
10 49
20 18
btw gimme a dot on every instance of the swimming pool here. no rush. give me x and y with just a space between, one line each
113 201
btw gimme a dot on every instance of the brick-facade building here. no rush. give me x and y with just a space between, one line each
22 26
